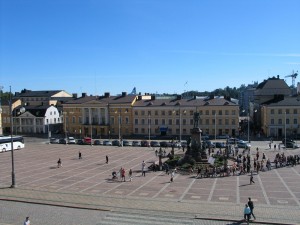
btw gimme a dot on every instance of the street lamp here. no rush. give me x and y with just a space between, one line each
65 120
1 129
215 126
119 123
248 126
13 178
180 124
285 128
149 125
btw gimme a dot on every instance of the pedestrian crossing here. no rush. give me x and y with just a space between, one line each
141 219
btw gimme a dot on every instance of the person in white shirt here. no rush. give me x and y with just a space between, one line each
27 221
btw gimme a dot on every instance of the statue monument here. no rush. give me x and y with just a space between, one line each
195 150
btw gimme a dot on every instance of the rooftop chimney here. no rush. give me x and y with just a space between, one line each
106 94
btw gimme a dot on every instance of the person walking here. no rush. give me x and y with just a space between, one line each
59 164
27 221
143 169
251 178
130 175
79 155
172 176
251 206
247 213
123 174
106 159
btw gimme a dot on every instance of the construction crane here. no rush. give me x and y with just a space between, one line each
293 76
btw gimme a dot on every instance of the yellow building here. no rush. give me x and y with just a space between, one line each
280 117
175 117
99 116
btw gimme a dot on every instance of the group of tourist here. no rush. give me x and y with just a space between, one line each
120 175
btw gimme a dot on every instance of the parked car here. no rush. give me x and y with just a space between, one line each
145 143
107 143
233 141
243 144
127 143
287 140
291 145
62 141
222 136
71 140
54 140
165 144
154 144
136 143
87 140
98 142
184 144
208 144
116 143
220 145
80 142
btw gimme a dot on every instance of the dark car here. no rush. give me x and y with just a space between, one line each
184 144
62 141
287 140
165 144
145 143
220 145
154 144
80 142
291 145
98 142
115 143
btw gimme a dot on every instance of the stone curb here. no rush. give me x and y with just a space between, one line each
107 210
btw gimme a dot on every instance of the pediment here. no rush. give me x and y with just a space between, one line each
26 114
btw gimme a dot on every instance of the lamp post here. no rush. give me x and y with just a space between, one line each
1 129
180 124
215 126
248 127
119 124
149 125
13 178
285 128
65 120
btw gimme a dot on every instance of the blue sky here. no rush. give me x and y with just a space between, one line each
157 46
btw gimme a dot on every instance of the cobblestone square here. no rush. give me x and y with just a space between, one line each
36 170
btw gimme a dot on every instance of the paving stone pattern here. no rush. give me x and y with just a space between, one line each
88 181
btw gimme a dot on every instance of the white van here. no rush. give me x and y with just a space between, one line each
7 146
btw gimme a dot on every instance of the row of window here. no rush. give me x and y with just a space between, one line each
184 112
184 122
34 99
287 111
279 121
